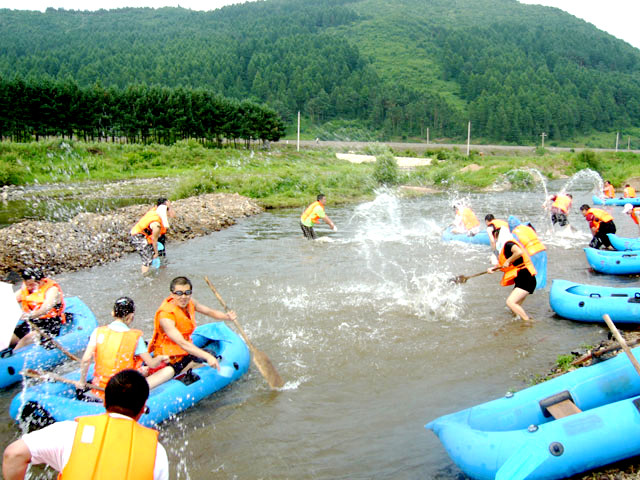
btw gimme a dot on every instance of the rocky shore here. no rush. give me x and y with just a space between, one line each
90 239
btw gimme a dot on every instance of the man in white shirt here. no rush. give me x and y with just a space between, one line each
68 446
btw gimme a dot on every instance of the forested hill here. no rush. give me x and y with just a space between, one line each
391 66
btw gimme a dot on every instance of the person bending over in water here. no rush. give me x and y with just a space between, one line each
600 223
312 215
518 270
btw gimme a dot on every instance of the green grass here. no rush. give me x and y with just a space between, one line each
283 177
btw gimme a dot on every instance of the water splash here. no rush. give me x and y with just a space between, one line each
584 178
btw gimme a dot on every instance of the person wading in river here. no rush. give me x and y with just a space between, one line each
518 270
111 445
312 215
146 233
600 223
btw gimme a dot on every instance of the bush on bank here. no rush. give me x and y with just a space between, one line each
283 177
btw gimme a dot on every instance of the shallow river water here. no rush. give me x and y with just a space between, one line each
372 340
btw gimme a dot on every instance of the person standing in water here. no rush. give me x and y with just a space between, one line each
493 224
600 223
526 236
312 215
518 270
150 228
560 208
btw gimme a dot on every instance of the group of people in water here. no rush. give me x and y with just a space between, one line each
125 370
517 249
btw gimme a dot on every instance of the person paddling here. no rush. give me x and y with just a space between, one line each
42 302
600 223
111 445
518 270
312 215
173 324
116 347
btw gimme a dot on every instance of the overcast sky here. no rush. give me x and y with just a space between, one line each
618 17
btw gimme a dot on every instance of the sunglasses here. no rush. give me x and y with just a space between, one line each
180 293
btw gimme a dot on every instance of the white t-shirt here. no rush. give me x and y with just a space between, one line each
118 326
52 445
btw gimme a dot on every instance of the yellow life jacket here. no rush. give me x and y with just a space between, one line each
609 191
106 448
528 238
469 219
497 224
511 272
144 224
115 351
33 301
629 192
185 322
599 216
563 203
310 215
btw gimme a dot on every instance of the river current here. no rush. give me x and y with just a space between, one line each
371 338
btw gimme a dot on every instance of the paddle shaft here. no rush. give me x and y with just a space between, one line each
622 342
48 337
30 372
260 359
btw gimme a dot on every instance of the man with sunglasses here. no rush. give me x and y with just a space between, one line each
173 325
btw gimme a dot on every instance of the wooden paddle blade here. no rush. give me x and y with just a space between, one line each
459 279
266 368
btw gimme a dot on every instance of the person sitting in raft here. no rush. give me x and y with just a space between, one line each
600 223
42 302
526 236
493 224
608 190
633 212
312 215
560 206
518 270
116 347
110 445
173 324
629 191
145 233
465 221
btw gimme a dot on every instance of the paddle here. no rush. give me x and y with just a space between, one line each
30 372
464 278
622 342
260 359
49 338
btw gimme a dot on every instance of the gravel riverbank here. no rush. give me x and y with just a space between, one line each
90 239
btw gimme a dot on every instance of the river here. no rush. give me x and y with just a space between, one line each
372 340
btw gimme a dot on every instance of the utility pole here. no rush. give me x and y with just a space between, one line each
427 135
468 137
543 135
617 140
629 142
298 149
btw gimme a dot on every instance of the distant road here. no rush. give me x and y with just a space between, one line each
421 147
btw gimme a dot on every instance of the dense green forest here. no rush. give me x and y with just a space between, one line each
395 67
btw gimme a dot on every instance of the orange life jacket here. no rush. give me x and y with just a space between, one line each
635 212
107 447
33 301
629 192
115 351
469 219
599 216
562 203
310 214
609 191
185 322
528 238
496 224
144 224
511 272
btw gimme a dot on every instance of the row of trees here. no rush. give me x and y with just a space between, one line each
43 107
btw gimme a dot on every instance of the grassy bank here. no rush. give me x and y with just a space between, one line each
282 177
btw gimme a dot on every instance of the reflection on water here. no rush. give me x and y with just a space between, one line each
371 338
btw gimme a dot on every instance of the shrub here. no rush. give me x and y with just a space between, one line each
385 171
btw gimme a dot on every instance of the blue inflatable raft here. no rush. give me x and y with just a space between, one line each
613 262
481 238
74 336
582 420
588 303
622 243
615 201
47 403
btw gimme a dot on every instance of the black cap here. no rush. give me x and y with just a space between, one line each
32 273
123 307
